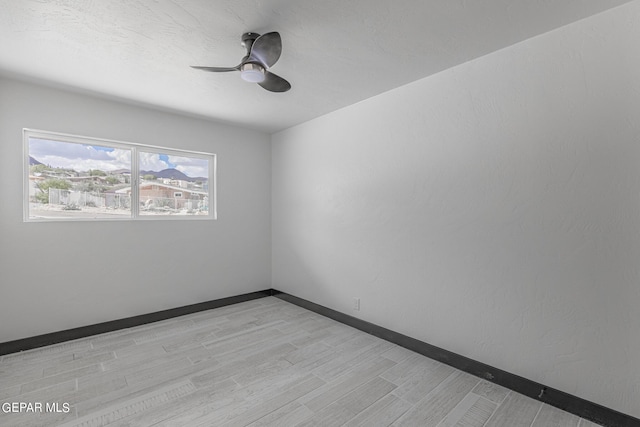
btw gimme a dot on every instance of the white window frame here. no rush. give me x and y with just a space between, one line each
135 172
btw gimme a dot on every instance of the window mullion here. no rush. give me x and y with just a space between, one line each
135 183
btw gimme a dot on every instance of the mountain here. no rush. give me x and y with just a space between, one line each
172 174
33 162
165 173
120 171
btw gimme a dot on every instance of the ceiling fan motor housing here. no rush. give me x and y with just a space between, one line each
248 39
262 52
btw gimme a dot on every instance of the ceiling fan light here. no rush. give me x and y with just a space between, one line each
252 73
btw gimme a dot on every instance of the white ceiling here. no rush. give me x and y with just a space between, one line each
335 52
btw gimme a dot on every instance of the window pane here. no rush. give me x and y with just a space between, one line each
173 184
73 180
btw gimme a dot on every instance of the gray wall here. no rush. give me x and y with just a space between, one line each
492 209
56 276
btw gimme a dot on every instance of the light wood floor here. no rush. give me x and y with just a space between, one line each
263 362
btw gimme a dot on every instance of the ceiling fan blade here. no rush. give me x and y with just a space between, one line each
217 69
274 83
266 49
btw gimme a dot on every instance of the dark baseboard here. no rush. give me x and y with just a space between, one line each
129 322
567 402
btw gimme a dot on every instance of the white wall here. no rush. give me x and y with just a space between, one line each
56 276
492 209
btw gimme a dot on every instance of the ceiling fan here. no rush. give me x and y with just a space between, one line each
262 52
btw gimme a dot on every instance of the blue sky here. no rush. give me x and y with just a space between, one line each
165 159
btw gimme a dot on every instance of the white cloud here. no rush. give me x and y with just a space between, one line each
191 166
151 162
80 157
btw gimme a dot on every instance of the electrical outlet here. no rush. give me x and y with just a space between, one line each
356 304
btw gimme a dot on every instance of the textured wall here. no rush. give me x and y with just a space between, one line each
55 276
492 209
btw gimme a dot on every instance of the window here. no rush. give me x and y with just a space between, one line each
77 178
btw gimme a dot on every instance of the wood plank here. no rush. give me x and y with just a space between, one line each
354 378
151 356
92 387
553 417
398 354
261 372
190 340
8 393
136 354
223 371
473 411
345 359
309 338
300 355
247 404
351 404
169 330
291 414
163 371
381 413
119 345
131 391
422 382
44 353
58 378
516 411
145 402
491 391
77 363
342 335
179 414
586 423
245 339
405 368
259 410
437 404
17 375
185 404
